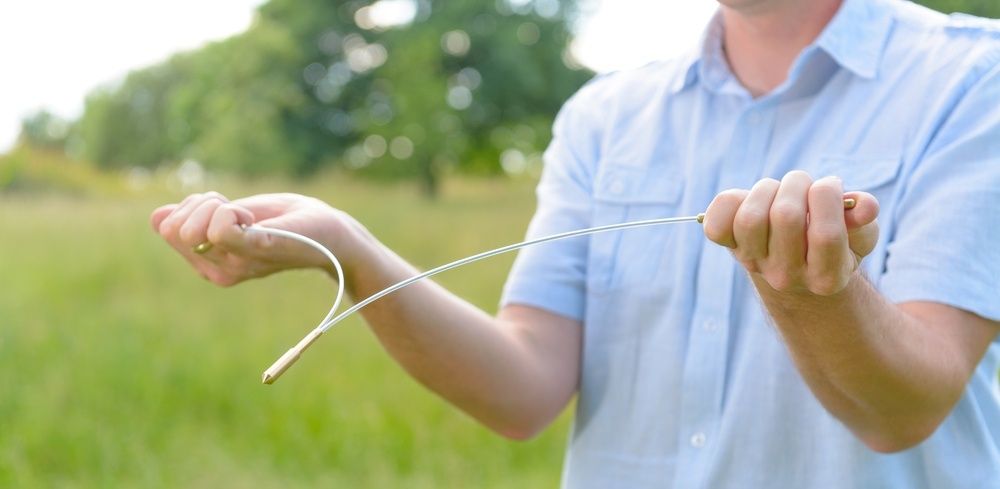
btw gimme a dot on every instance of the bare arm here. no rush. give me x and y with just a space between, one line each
515 373
891 373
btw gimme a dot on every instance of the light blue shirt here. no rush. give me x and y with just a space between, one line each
684 383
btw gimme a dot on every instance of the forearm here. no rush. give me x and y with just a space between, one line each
486 366
882 372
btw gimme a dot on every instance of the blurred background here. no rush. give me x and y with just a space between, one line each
425 119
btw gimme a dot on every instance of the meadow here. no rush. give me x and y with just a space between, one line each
120 367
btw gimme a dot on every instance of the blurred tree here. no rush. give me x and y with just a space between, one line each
391 88
982 8
44 129
127 125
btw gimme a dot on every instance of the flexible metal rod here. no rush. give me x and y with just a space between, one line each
292 355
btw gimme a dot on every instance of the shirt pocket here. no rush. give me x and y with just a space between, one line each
625 258
865 173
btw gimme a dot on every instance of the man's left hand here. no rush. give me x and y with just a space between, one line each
796 234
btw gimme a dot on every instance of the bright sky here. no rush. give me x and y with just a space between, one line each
53 52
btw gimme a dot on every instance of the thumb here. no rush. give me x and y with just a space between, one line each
226 228
863 213
862 225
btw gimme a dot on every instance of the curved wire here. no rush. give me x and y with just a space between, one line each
322 249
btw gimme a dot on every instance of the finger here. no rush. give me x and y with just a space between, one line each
864 212
787 241
166 227
170 227
827 233
750 225
160 214
266 206
862 224
718 223
194 231
226 227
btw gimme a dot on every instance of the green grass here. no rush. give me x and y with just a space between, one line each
119 367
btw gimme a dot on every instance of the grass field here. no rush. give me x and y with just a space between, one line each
119 367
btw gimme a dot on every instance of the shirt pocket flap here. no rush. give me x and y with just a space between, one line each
861 172
620 184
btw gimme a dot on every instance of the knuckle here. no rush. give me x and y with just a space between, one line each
779 280
827 236
731 196
168 228
226 207
221 210
189 235
787 215
767 183
823 186
213 195
749 218
798 175
714 231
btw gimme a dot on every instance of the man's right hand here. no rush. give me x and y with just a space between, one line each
237 255
514 373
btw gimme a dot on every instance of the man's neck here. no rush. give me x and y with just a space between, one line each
763 39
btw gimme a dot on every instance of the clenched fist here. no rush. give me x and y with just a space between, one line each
795 234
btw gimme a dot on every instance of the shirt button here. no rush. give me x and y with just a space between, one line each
616 187
753 118
710 325
698 440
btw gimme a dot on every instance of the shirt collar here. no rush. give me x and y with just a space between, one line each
691 60
855 38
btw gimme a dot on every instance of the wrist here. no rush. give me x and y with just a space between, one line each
801 297
354 246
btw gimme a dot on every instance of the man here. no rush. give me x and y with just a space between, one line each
795 365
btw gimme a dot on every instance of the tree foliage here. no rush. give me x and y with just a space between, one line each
982 8
317 82
44 129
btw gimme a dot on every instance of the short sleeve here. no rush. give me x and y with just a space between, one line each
552 276
946 242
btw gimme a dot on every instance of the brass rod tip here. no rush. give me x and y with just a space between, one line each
281 365
291 356
701 217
